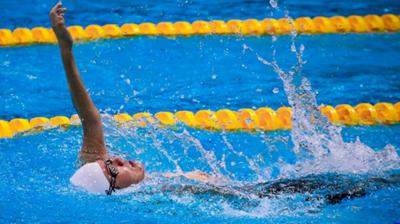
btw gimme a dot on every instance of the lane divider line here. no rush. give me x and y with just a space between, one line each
262 119
268 26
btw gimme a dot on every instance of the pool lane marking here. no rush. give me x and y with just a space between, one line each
268 26
245 119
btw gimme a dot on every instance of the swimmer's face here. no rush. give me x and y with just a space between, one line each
130 172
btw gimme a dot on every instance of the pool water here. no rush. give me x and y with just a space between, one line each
201 72
31 13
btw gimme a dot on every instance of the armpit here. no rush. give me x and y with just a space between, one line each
88 156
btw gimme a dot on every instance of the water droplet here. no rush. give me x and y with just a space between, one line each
293 48
126 99
214 76
31 77
273 3
275 90
302 47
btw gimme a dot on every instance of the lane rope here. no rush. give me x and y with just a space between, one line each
246 119
268 26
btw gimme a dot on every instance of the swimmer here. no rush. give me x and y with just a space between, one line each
330 188
100 172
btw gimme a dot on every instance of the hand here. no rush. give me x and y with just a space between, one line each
171 175
197 175
57 15
57 22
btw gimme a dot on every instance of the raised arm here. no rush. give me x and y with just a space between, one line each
93 147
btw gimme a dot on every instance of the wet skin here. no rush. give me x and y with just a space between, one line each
93 148
130 172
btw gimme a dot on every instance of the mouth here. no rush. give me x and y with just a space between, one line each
132 163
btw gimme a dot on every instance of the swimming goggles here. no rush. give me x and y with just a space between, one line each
114 173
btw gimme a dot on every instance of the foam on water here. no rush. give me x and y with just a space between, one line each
286 205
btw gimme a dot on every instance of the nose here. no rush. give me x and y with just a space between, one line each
118 161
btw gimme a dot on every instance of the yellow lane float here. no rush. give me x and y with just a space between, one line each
245 119
268 26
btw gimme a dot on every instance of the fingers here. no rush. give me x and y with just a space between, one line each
57 14
57 7
61 10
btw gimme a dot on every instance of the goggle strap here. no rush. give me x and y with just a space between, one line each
113 173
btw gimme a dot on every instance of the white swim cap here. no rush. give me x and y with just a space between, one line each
91 178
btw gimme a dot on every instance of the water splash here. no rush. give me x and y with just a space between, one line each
252 164
208 156
153 137
318 144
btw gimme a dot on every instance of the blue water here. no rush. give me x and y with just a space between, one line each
155 74
210 72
